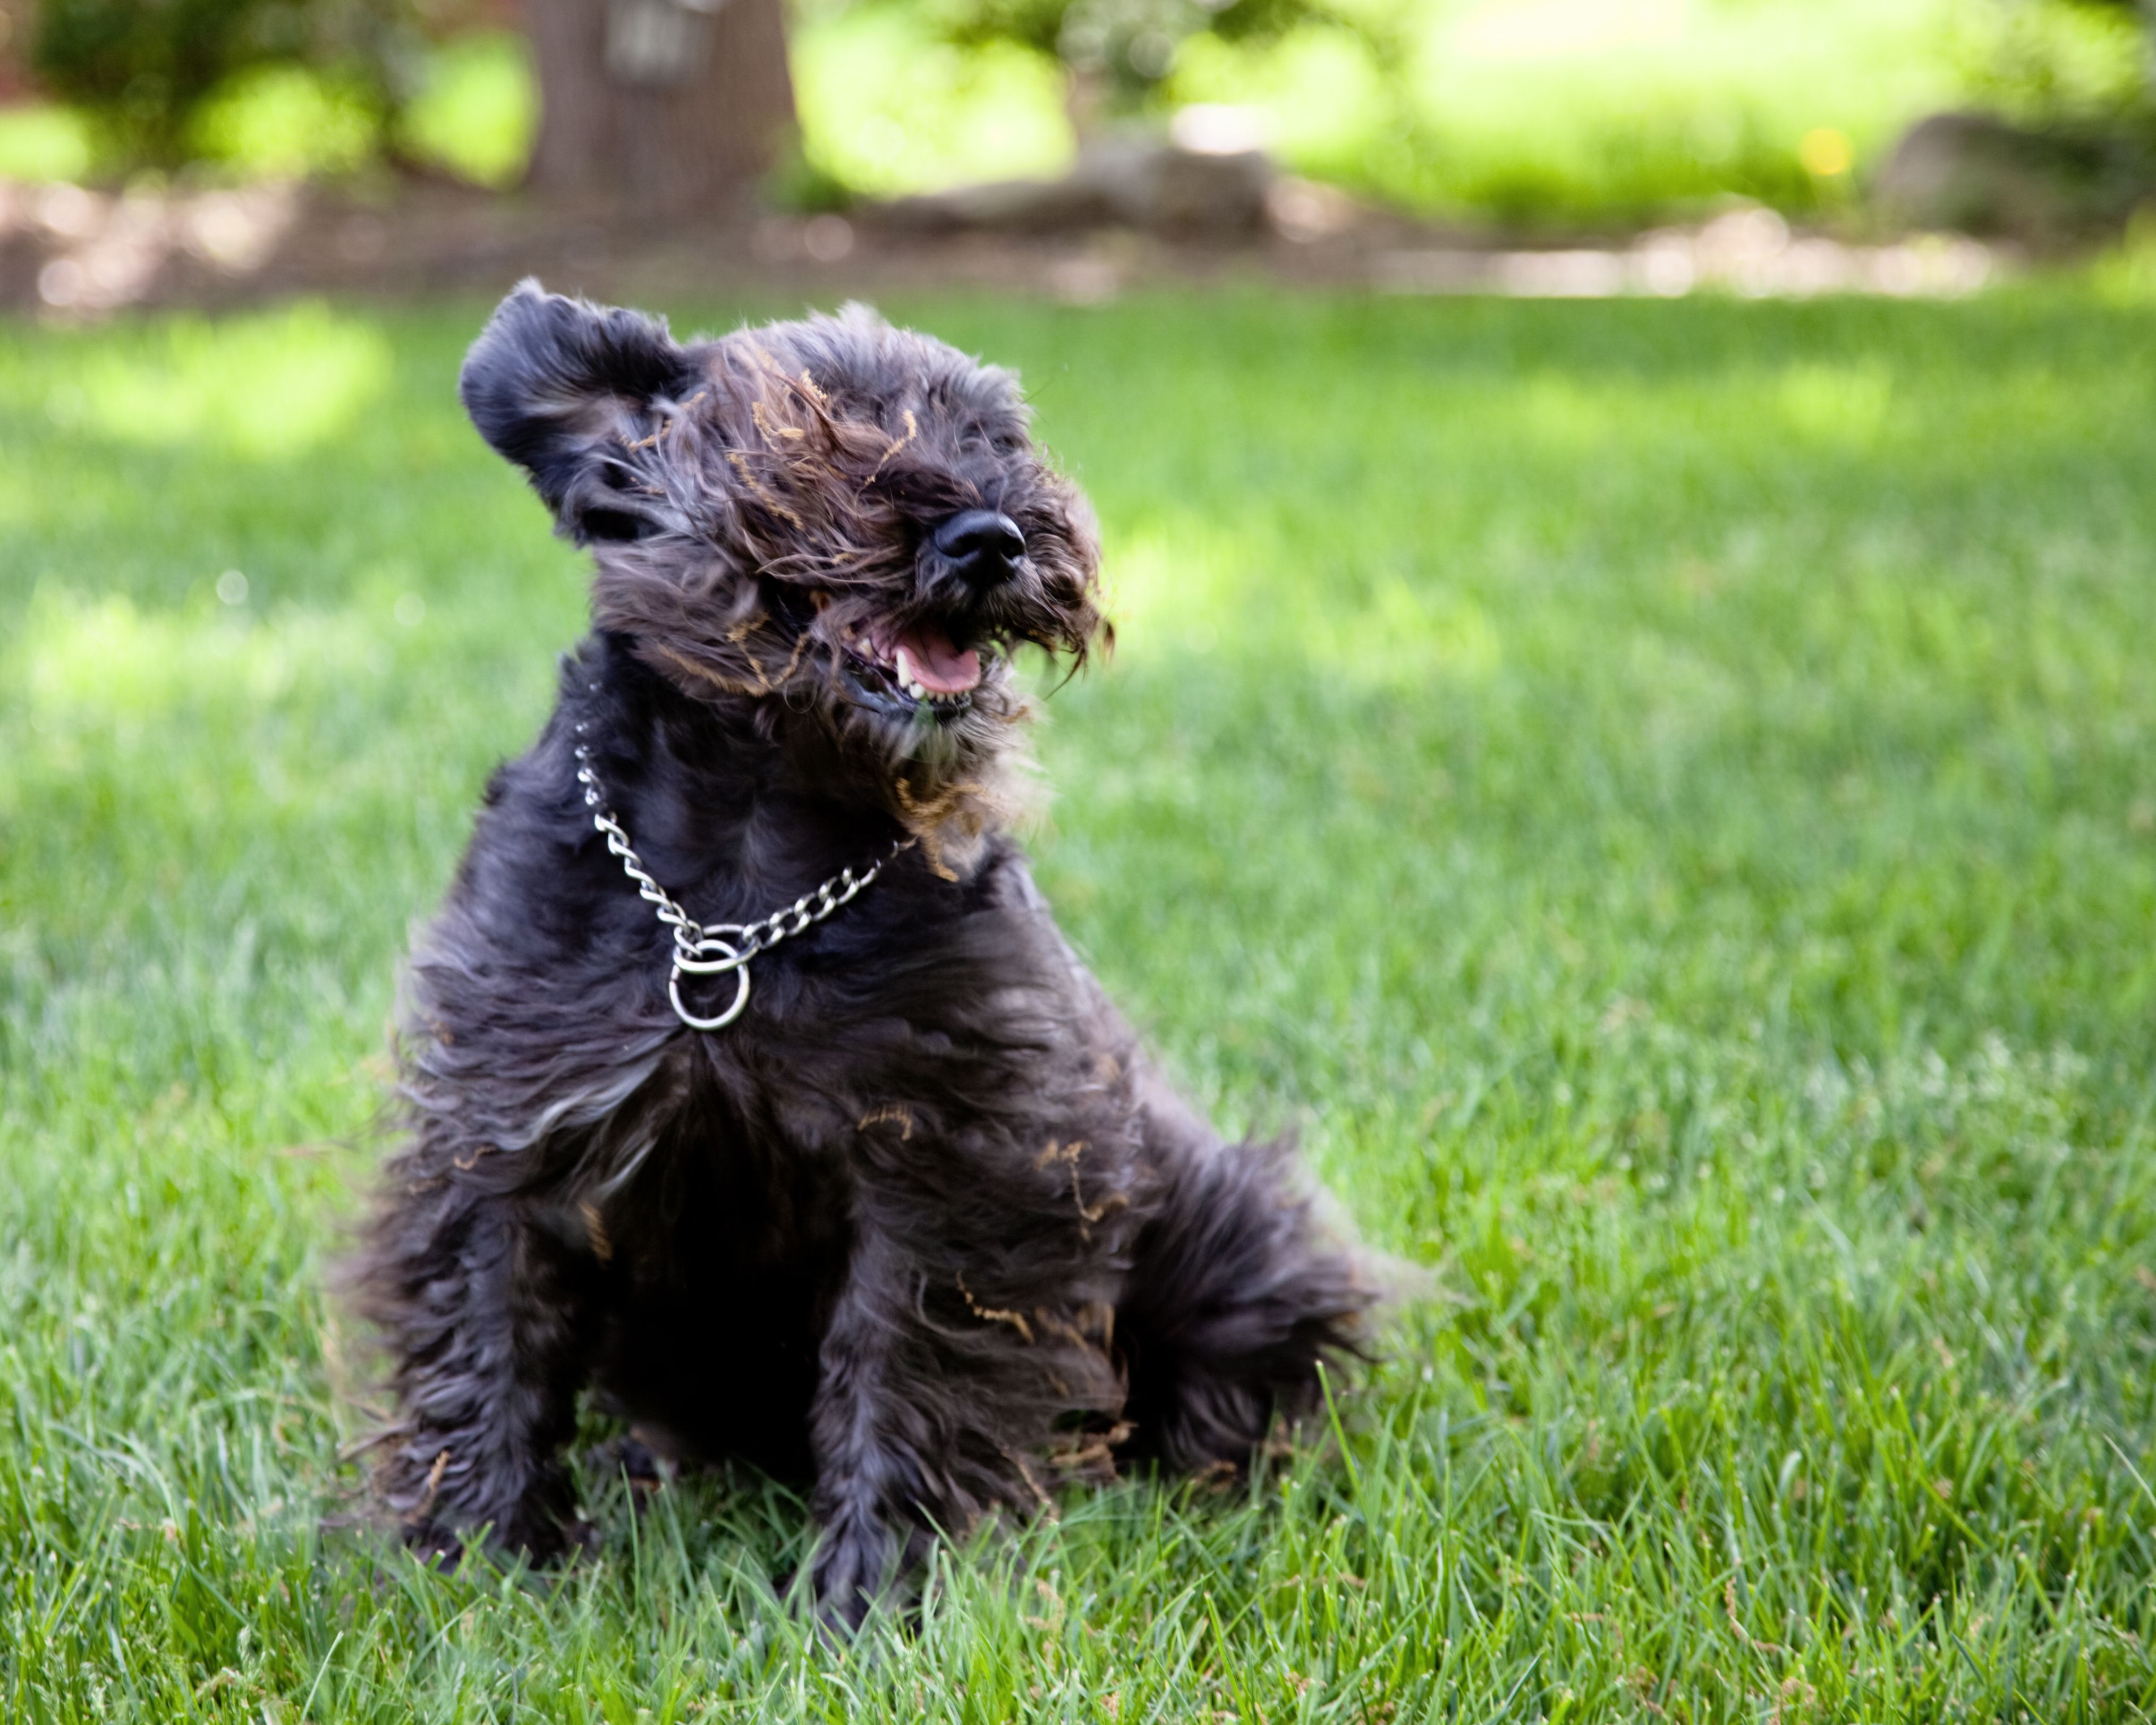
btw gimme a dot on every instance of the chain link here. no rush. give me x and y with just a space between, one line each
701 949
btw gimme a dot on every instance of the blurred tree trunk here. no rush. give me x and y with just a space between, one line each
663 107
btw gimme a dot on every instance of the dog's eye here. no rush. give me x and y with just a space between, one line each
612 524
599 521
1000 441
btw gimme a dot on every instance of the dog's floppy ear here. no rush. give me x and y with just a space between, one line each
562 388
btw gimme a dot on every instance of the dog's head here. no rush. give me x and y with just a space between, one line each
846 521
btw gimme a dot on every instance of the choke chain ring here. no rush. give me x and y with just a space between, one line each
721 947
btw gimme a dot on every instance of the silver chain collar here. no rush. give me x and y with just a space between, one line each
700 950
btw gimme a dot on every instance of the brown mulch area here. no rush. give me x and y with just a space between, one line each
70 253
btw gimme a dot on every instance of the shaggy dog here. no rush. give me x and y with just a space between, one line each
878 1191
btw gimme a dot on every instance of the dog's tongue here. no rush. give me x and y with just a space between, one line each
926 656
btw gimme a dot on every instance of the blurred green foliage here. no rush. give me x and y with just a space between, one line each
1555 112
42 141
2078 64
1565 113
1126 50
147 71
468 105
887 107
476 110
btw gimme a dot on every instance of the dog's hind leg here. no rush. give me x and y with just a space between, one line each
1236 1296
486 1313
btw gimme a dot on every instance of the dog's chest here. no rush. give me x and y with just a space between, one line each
970 1056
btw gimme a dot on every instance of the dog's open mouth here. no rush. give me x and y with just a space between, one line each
917 667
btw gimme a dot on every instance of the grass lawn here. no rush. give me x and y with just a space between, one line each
1663 793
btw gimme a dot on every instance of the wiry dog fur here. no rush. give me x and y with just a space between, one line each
924 1225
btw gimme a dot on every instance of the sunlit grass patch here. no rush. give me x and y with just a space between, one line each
110 659
268 385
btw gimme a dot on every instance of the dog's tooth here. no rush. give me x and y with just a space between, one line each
906 668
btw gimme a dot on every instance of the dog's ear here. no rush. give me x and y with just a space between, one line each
562 388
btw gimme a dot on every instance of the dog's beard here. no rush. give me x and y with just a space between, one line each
952 755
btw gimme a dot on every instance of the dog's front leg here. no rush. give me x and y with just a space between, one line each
486 1313
877 1476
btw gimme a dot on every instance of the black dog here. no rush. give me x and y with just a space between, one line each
912 1214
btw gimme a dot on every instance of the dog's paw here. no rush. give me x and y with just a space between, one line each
540 1541
433 1544
642 1467
849 1573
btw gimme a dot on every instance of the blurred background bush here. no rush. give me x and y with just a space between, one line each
1525 111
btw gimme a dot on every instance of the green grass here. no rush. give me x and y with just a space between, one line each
1664 794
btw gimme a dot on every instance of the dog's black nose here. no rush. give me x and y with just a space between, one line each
983 545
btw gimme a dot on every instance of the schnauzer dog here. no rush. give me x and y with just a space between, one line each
745 1077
